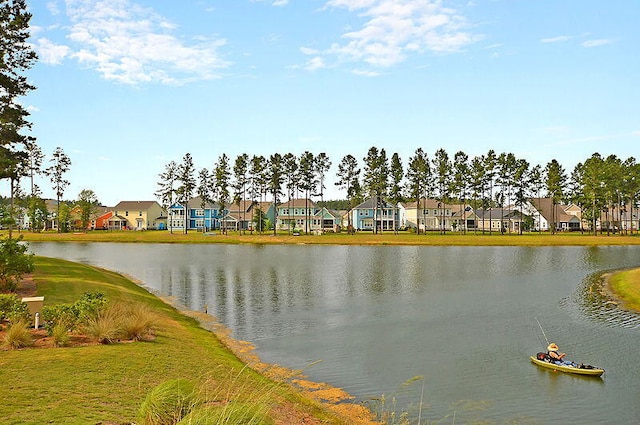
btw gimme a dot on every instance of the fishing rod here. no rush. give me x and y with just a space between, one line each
545 335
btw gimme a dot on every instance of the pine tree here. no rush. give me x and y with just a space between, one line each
16 57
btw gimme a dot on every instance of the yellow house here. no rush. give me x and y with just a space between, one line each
139 215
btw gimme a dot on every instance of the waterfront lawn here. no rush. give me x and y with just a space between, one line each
107 383
626 287
360 238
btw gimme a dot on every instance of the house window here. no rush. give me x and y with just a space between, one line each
199 222
199 212
139 213
126 213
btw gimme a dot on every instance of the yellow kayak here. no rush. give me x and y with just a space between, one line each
584 370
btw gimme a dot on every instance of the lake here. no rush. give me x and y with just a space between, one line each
368 319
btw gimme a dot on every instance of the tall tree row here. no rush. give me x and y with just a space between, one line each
607 189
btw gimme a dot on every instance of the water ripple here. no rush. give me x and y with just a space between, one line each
594 301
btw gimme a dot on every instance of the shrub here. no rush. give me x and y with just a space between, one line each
13 309
17 336
168 403
74 315
89 305
64 315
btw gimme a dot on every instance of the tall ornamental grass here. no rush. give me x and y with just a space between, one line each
168 403
18 335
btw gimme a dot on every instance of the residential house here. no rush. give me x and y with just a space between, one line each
241 215
296 214
326 220
464 218
199 215
506 220
431 214
371 214
138 215
544 212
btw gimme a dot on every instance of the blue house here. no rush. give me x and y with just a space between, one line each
200 216
384 215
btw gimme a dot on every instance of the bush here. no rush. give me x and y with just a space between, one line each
89 305
13 309
74 315
17 336
64 315
168 403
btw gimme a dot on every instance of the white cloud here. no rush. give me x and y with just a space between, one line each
395 29
131 44
315 63
558 39
365 73
276 3
51 53
596 43
52 6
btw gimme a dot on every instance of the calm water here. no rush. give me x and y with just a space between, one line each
461 317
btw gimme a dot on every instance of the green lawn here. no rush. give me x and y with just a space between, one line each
361 238
107 383
625 285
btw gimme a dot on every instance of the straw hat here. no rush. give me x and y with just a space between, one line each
552 347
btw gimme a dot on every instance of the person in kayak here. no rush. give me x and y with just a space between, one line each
556 356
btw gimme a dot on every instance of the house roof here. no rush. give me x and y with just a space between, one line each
297 203
370 204
430 204
545 206
239 207
498 213
136 205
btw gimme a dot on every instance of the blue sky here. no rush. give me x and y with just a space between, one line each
125 86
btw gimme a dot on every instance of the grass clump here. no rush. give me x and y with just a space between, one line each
229 413
60 336
106 325
168 403
140 322
17 336
121 321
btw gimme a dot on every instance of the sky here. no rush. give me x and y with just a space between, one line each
126 86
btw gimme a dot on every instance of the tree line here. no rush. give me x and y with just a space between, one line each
606 188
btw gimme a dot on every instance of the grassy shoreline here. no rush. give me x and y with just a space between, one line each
361 238
107 383
624 285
